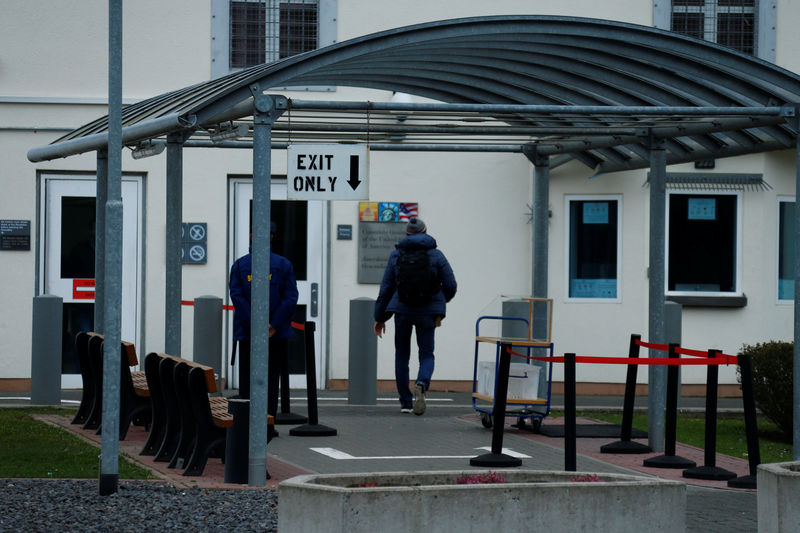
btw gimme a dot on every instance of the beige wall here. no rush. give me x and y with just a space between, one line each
476 206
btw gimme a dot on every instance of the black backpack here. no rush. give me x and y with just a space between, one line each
417 282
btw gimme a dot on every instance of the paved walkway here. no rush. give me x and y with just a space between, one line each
379 438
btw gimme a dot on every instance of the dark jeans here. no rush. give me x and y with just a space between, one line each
425 328
278 361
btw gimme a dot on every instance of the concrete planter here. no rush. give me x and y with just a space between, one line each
778 497
432 501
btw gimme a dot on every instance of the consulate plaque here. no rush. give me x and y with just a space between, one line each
376 241
15 235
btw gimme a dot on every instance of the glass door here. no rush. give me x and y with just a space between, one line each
67 262
299 238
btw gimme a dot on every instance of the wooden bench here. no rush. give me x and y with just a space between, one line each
189 419
134 394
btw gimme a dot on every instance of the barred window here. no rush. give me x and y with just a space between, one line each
730 23
262 31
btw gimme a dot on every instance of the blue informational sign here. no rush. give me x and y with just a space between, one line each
702 208
595 213
593 288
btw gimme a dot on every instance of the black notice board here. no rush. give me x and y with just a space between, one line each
15 234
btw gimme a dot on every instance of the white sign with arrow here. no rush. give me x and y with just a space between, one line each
327 172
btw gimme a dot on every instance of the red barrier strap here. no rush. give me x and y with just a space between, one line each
693 353
652 346
630 360
295 325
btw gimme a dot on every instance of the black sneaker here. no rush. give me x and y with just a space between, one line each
419 399
406 410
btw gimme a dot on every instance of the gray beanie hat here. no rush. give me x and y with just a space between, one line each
415 225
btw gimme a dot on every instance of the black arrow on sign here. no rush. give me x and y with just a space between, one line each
354 181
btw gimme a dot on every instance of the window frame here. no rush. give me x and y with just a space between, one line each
765 34
739 226
568 199
220 38
778 233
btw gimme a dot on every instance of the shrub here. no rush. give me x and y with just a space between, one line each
772 381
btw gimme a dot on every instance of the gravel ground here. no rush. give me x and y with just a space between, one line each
138 506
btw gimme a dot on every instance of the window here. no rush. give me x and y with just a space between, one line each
593 250
786 250
731 23
703 243
251 32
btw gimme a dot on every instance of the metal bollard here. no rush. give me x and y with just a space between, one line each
207 343
363 362
46 350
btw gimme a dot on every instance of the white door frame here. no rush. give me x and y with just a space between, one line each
240 193
54 186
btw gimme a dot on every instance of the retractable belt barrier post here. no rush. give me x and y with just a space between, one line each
286 416
669 459
313 428
625 444
497 458
570 429
750 425
710 470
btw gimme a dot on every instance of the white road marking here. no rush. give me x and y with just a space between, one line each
333 453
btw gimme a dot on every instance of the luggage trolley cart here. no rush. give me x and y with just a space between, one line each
523 399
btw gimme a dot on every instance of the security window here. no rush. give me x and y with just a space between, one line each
593 247
703 243
786 250
730 23
246 33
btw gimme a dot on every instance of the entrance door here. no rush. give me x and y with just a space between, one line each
299 238
67 258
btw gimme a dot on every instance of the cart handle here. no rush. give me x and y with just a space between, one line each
478 322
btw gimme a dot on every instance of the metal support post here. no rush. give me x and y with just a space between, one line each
796 367
112 321
656 378
173 290
266 109
101 196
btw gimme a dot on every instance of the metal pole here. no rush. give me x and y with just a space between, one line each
796 384
570 428
172 286
259 356
656 378
101 196
109 451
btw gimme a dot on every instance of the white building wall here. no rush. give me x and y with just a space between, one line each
476 205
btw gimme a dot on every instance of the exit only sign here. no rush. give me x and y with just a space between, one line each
328 172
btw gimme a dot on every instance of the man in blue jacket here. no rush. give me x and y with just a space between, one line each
282 301
421 307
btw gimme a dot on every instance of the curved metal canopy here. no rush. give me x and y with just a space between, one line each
540 61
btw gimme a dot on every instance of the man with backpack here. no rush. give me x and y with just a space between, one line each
417 283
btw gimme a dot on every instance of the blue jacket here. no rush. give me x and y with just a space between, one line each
388 301
282 295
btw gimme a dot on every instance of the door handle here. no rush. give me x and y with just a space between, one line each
314 299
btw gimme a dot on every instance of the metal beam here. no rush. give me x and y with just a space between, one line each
130 134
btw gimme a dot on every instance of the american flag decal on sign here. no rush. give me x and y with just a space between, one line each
408 210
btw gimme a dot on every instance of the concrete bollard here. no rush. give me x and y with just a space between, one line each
46 350
363 354
208 333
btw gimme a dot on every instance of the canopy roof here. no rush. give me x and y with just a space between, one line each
590 89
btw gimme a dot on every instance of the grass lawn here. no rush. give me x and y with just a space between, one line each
32 449
731 439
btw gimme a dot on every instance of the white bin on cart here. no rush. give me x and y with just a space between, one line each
523 380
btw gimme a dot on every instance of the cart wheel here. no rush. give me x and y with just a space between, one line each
486 420
537 425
